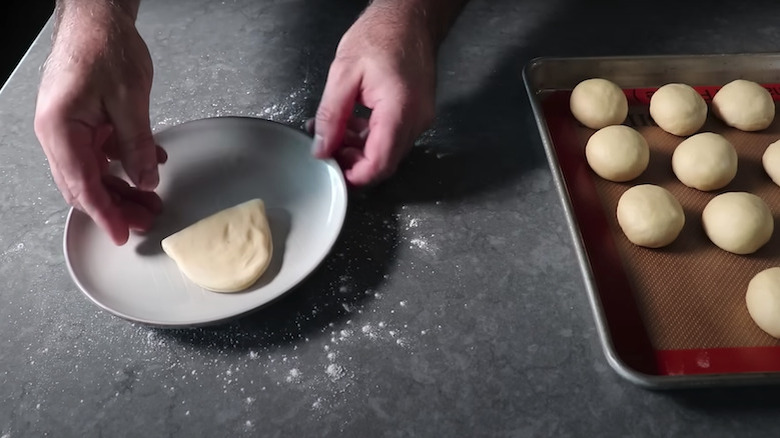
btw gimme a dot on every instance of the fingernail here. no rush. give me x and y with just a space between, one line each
149 179
318 145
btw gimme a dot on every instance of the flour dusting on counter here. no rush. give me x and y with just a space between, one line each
292 108
316 349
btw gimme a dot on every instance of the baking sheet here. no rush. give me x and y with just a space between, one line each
674 316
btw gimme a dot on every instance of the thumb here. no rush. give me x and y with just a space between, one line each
136 146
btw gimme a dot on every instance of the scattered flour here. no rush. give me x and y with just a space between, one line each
422 244
293 109
335 372
13 249
294 376
238 357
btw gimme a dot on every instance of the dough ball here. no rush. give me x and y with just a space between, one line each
706 161
771 161
678 109
225 252
617 153
744 105
650 216
738 222
763 300
597 103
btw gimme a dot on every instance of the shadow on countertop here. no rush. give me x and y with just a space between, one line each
746 399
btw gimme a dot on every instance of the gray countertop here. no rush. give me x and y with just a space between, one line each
452 304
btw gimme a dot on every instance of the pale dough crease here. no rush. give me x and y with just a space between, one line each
225 252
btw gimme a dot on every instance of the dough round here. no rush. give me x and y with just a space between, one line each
738 222
597 103
763 300
678 109
744 105
225 252
617 153
771 161
650 216
706 161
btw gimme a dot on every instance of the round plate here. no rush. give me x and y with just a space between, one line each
214 164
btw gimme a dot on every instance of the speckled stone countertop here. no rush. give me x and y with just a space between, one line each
452 305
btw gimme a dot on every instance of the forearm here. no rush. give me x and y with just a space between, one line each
437 16
68 13
88 29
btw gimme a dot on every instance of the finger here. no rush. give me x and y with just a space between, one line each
162 156
347 157
138 217
112 152
335 109
358 125
387 142
137 149
355 134
355 123
104 139
99 205
125 193
69 146
354 140
139 208
111 148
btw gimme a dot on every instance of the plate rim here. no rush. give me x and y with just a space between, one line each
341 187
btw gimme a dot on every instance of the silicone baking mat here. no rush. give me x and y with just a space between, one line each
678 310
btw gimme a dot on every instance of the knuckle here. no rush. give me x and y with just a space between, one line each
72 194
325 114
137 143
70 199
344 69
39 125
339 67
44 116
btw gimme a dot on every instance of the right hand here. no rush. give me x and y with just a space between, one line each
92 107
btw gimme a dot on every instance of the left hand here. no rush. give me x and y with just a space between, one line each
386 62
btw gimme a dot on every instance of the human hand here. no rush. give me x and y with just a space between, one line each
92 107
386 62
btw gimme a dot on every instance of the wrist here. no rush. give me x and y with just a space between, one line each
88 20
433 18
72 12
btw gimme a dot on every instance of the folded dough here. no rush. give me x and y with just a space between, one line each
225 252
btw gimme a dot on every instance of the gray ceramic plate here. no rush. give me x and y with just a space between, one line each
214 164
